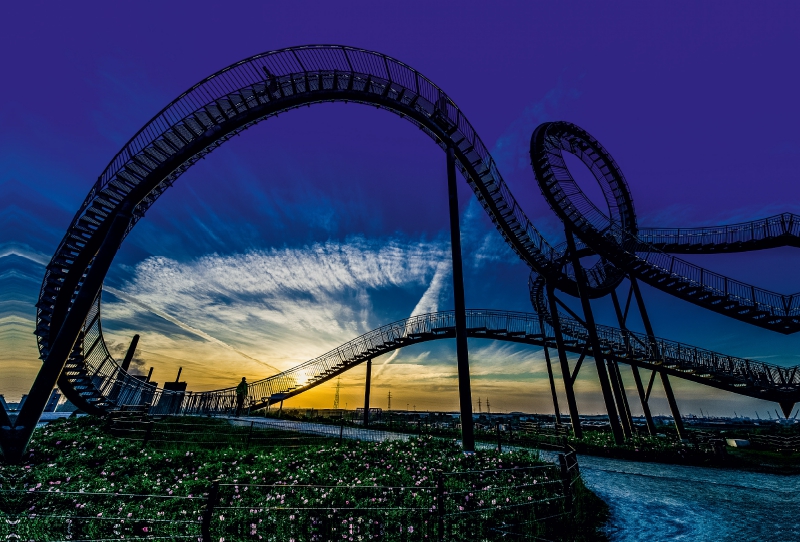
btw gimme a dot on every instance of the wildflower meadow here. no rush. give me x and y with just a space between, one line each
79 482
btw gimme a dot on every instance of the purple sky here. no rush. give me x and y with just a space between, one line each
696 102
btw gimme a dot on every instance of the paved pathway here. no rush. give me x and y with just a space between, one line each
358 433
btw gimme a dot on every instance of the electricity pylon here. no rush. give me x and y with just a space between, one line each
336 397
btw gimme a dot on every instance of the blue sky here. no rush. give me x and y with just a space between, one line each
326 222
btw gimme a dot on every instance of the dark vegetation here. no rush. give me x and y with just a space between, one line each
80 482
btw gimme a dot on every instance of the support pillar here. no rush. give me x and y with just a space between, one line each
648 417
552 384
366 393
462 352
15 440
651 427
594 341
619 394
566 373
618 388
550 374
673 404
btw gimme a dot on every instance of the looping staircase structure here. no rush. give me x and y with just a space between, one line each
258 88
742 376
644 255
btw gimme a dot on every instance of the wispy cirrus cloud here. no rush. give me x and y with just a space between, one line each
280 306
169 318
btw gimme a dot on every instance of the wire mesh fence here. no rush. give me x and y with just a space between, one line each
520 503
197 432
191 431
493 504
49 514
526 503
339 512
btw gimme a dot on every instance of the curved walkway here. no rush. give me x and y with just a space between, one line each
252 90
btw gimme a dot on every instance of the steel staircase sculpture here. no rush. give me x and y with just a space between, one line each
772 232
232 100
743 376
616 238
243 94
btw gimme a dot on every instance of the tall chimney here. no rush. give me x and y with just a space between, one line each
129 356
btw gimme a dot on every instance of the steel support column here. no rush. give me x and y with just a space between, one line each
462 352
622 401
617 392
366 392
566 373
594 341
648 417
15 439
550 375
673 405
651 427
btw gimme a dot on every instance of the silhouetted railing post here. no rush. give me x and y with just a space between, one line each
148 433
249 434
211 502
565 481
499 439
440 506
462 352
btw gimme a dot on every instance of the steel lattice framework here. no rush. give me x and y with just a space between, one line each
255 89
743 376
644 255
